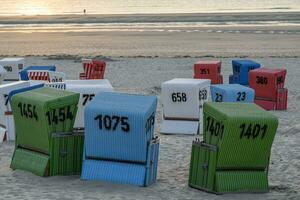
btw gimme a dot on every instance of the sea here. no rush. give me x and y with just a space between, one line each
58 7
161 8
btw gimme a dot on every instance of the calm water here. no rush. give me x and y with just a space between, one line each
52 7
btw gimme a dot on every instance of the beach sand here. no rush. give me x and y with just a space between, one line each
210 42
144 76
138 62
221 35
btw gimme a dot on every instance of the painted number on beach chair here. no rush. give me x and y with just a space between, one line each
202 94
261 80
59 115
279 80
87 97
241 96
8 68
253 131
179 97
150 122
6 99
219 97
28 111
214 127
111 123
56 79
204 71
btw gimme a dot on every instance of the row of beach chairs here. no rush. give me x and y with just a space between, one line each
83 127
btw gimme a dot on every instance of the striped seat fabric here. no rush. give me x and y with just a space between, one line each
46 75
93 69
39 75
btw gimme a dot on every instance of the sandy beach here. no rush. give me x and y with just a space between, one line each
182 35
144 76
138 62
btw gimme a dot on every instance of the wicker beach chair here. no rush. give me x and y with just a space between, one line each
235 152
120 145
240 70
268 84
93 69
45 143
24 72
208 70
232 93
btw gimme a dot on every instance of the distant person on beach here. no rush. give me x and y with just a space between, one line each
84 11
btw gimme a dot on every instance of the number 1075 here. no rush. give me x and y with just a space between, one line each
112 122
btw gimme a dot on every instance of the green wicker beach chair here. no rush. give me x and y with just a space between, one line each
45 143
234 155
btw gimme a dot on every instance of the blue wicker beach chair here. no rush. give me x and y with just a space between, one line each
120 145
232 93
240 71
24 75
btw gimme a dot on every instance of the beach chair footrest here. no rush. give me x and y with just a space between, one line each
241 181
34 162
